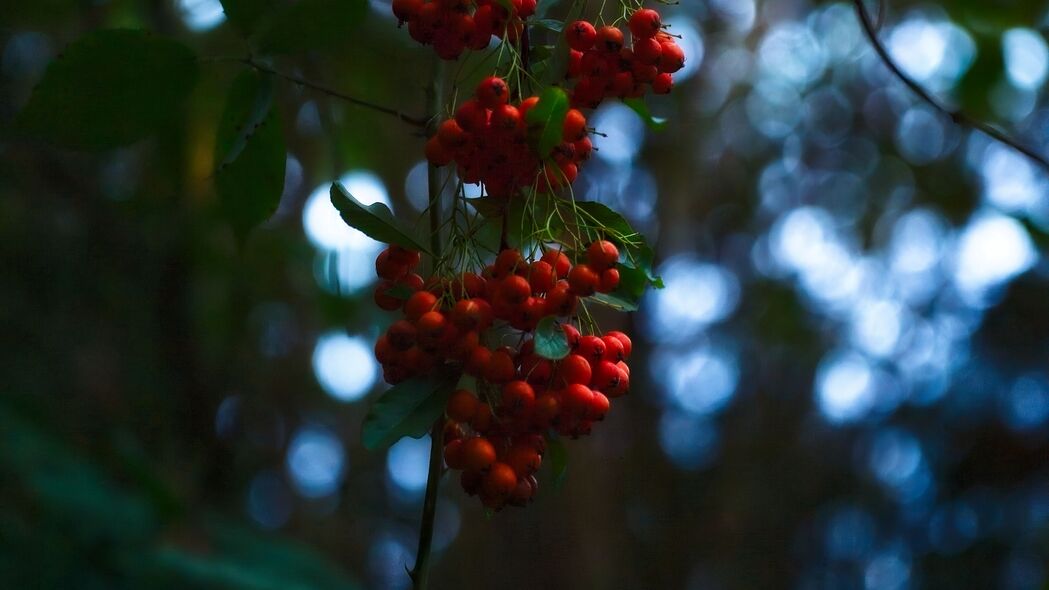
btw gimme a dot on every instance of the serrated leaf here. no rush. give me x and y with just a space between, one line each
375 220
407 409
550 340
639 254
641 108
310 25
557 456
250 155
547 120
246 14
108 89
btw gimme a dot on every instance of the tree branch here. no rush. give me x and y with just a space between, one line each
420 574
956 115
414 121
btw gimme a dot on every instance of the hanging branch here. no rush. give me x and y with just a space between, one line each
414 121
420 574
956 115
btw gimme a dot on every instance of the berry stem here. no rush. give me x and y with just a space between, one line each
420 574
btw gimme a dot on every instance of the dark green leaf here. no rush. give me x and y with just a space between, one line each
488 207
551 24
550 340
375 220
641 108
245 14
557 456
547 120
556 66
310 24
406 409
639 254
108 89
250 155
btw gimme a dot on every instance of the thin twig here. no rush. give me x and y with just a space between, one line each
415 121
956 115
420 574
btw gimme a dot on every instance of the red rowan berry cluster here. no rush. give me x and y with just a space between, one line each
488 141
496 433
453 26
604 67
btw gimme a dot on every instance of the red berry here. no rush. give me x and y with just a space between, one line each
418 304
572 334
482 420
605 377
609 280
436 152
492 92
401 334
581 35
453 454
472 117
672 58
524 460
518 398
383 300
627 344
431 324
599 406
645 23
559 261
478 454
575 369
591 348
561 301
583 280
574 125
609 39
461 406
648 51
615 351
602 254
541 276
500 481
577 399
500 368
451 135
507 118
507 261
663 83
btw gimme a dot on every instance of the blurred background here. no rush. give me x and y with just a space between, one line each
843 385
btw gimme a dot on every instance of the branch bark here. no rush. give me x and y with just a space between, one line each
414 121
955 115
420 574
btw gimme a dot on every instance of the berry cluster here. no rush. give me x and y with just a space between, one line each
488 141
453 26
603 67
495 435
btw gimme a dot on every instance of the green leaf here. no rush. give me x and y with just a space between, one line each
109 89
375 220
551 24
310 25
550 340
639 255
557 456
616 301
556 66
641 108
547 120
406 409
250 155
245 14
488 207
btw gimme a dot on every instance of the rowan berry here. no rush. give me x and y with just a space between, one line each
609 38
401 334
518 398
583 280
645 23
418 304
492 92
383 300
609 280
461 406
541 276
591 348
577 399
500 367
478 453
483 417
500 480
615 350
574 369
599 406
524 460
431 324
602 254
453 454
581 35
625 340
